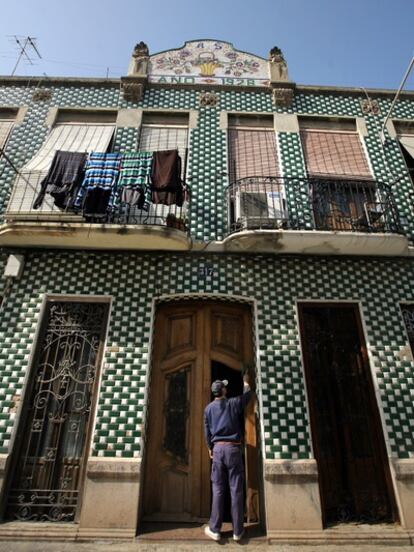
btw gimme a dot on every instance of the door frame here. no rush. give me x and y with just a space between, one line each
226 299
27 386
374 395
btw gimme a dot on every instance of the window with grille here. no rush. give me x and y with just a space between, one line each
257 194
340 177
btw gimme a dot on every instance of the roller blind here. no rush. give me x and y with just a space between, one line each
65 137
252 153
330 153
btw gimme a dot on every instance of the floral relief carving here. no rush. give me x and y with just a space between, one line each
208 99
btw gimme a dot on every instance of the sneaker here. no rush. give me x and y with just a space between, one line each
238 537
212 534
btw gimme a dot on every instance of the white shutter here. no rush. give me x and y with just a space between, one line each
5 128
65 137
408 142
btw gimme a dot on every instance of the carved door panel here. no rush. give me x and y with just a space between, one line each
188 338
349 444
174 444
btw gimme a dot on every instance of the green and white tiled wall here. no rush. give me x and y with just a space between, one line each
275 282
207 160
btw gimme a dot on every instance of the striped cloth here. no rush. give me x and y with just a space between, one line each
134 179
101 171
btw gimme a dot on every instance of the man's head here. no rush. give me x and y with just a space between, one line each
219 388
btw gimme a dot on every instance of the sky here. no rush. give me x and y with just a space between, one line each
328 42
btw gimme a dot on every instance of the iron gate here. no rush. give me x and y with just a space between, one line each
56 412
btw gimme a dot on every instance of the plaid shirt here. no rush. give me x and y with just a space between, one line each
135 175
102 170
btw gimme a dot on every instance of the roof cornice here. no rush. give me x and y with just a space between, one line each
116 82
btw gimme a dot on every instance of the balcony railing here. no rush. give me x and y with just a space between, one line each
27 186
312 204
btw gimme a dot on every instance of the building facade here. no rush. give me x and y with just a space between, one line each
287 254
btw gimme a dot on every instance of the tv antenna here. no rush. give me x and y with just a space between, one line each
27 48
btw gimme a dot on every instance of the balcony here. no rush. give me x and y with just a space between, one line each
162 227
313 216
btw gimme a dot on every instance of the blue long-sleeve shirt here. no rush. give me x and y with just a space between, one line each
223 418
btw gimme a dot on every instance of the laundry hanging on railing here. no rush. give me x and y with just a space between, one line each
76 138
100 183
166 183
63 179
134 184
97 192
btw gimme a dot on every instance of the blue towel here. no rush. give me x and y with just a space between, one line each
102 170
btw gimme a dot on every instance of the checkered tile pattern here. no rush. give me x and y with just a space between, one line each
379 286
276 283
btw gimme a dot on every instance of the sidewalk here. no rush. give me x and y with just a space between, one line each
13 546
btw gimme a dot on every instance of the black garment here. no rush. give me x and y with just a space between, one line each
167 186
96 202
63 179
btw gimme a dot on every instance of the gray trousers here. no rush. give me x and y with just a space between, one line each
227 467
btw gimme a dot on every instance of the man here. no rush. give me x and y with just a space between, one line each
224 429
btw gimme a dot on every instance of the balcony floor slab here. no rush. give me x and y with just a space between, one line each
315 242
65 235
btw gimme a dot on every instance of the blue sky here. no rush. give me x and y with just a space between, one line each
332 42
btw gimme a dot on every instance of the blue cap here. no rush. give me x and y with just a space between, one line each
217 386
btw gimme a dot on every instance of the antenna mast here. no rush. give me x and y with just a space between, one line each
27 47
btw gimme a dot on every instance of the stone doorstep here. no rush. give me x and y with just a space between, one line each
26 531
368 535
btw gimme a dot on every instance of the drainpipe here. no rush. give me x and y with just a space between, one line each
382 135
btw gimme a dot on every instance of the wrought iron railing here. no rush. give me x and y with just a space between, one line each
312 204
22 206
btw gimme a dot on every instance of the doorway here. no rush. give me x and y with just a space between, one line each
49 456
195 342
354 477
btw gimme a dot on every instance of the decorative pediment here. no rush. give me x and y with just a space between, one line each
208 62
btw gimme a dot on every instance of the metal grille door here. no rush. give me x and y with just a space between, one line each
56 413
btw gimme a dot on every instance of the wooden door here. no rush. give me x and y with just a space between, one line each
189 337
349 445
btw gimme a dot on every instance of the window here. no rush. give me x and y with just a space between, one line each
162 131
7 118
76 131
408 316
333 148
405 135
343 194
257 196
252 147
